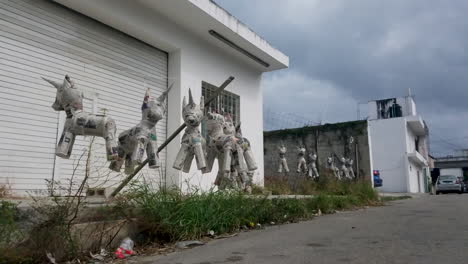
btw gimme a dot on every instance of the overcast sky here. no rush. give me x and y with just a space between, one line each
345 52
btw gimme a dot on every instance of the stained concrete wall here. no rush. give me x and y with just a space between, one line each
323 140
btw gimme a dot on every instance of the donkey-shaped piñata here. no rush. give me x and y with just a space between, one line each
245 147
223 145
344 171
234 154
301 162
135 141
70 99
217 142
193 144
312 168
331 166
283 163
236 161
349 165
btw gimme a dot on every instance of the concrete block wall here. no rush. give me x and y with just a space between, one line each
324 140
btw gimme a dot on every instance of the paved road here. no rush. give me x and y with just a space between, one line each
430 229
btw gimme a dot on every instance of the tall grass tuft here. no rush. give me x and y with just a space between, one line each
324 185
173 216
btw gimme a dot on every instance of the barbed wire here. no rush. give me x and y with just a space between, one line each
274 120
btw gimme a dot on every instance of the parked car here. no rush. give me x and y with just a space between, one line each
378 182
449 183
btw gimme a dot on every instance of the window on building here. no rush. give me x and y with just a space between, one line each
224 103
388 108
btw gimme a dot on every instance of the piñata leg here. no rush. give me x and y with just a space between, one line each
152 153
109 136
65 145
181 156
199 156
250 160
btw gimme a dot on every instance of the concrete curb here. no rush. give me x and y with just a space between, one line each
412 195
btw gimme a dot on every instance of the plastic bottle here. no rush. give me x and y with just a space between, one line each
125 249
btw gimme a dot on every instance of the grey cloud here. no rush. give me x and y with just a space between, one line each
367 49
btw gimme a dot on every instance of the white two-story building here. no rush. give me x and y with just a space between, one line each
398 143
115 50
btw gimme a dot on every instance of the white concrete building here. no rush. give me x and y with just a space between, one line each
114 49
398 140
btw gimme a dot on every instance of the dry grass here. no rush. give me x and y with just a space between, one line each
5 191
326 184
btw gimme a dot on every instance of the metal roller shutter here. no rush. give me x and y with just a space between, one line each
41 38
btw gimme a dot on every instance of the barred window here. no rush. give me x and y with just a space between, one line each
226 102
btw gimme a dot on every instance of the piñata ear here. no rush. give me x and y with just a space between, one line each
147 95
238 127
164 95
68 82
191 102
227 117
54 83
184 103
146 99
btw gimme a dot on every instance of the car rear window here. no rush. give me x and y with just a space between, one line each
448 177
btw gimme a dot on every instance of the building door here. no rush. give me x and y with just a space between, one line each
40 38
419 180
426 179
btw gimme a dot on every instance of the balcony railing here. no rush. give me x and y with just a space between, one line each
417 158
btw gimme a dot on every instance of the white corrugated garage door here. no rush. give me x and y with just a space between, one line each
41 38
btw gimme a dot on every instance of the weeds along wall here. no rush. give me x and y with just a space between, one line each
325 140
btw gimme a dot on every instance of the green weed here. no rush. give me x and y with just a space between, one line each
172 216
